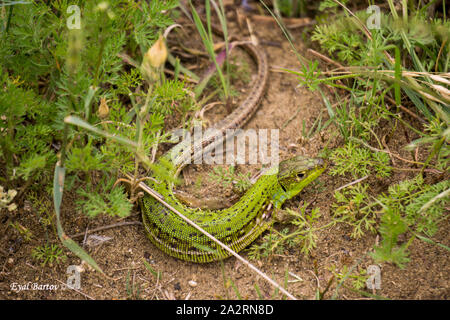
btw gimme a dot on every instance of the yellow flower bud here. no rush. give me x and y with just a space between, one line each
156 56
103 109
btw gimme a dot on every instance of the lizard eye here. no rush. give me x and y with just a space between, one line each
300 175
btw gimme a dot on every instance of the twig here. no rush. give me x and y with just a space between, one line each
317 279
291 118
323 57
293 22
352 183
154 194
383 141
120 224
441 195
384 151
85 236
416 170
295 276
412 114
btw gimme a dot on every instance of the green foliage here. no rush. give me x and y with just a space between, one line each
426 210
149 19
237 69
25 233
303 236
114 203
273 243
344 38
133 289
291 8
48 72
393 222
408 206
76 68
392 225
25 136
170 96
353 207
359 162
85 159
44 210
357 278
436 139
48 254
229 178
306 235
380 63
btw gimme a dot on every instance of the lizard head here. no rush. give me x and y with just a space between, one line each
296 173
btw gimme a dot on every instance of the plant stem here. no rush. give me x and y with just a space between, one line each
63 145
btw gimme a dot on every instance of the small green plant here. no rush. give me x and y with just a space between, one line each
354 208
48 254
133 289
273 243
114 203
207 38
359 162
426 210
315 129
24 232
237 71
229 178
436 139
304 235
408 206
357 278
392 225
43 207
156 274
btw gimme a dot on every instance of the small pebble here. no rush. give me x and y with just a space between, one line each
192 283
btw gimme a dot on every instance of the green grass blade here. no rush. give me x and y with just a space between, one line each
74 120
258 292
157 274
398 77
428 240
88 102
58 190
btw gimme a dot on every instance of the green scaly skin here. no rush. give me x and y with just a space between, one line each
237 226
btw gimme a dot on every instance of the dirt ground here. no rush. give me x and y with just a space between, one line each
427 275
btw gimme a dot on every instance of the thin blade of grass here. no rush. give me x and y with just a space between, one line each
220 59
74 120
58 190
157 274
428 240
88 102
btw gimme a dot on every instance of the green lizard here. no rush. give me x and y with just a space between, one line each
237 226
242 223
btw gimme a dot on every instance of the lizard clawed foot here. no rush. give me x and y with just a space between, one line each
134 185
